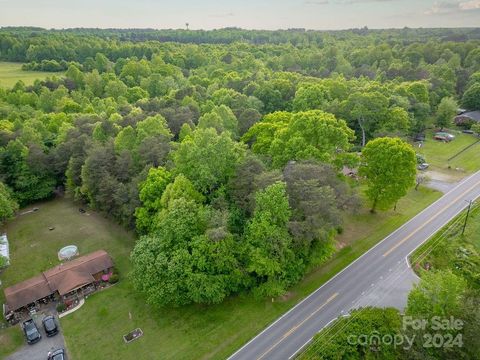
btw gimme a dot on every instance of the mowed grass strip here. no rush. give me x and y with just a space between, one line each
11 72
191 332
10 339
437 153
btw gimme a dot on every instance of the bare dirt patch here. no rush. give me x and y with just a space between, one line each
287 296
449 177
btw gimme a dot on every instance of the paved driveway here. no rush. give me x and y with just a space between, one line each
39 351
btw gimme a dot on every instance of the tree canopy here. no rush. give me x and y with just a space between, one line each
8 205
300 136
389 166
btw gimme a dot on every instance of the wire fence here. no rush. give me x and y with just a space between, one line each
463 150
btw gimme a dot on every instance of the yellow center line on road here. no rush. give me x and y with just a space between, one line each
289 332
430 220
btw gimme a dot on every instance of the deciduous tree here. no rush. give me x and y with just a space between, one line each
271 260
389 166
298 136
447 109
8 205
471 97
207 159
151 191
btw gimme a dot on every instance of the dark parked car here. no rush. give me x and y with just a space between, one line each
50 325
58 354
419 137
31 331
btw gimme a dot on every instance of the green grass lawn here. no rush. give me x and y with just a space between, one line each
437 153
201 332
34 247
449 249
10 73
10 339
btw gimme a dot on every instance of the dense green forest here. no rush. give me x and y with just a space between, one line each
224 149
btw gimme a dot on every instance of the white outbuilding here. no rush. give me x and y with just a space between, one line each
4 249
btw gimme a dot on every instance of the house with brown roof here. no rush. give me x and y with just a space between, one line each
60 280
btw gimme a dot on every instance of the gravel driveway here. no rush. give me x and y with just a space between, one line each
40 350
440 181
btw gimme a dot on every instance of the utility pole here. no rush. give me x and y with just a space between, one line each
466 217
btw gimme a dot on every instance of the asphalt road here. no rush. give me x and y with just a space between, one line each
377 272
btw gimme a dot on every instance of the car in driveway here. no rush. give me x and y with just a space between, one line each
443 136
419 137
50 325
31 331
58 354
423 166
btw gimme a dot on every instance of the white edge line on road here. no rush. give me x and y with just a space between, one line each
432 234
306 343
326 325
409 266
354 261
426 239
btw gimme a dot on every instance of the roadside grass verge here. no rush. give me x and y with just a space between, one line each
449 249
10 339
191 332
11 72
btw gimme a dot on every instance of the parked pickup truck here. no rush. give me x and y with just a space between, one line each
444 136
31 331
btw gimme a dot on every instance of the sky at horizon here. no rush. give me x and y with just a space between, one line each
247 14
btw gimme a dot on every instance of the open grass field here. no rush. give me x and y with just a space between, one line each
201 332
10 73
437 154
